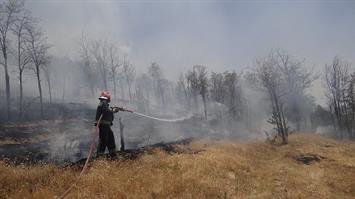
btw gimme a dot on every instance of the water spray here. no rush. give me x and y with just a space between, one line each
150 117
159 119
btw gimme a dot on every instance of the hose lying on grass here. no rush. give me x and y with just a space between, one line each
92 145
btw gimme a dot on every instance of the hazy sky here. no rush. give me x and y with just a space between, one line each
219 34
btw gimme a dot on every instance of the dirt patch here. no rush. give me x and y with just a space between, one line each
327 145
308 159
177 147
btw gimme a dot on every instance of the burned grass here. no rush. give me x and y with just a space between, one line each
308 158
220 169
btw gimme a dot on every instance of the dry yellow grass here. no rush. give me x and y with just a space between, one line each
223 169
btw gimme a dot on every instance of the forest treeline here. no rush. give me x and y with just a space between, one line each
275 90
22 38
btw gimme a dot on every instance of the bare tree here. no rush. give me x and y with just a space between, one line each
87 64
232 94
121 83
101 63
269 78
225 88
351 103
298 79
156 74
217 87
279 75
193 86
202 83
130 74
38 49
182 89
8 11
339 91
23 57
143 91
47 75
114 66
99 50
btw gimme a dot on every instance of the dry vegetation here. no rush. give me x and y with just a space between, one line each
308 167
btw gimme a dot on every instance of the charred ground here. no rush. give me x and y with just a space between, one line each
66 140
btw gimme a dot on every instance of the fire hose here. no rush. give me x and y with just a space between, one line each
96 131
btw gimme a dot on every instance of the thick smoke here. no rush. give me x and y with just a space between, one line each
189 62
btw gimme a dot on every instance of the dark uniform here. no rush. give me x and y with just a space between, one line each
106 138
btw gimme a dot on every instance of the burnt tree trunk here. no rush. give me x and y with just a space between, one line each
21 96
129 91
39 89
49 88
121 134
204 106
7 83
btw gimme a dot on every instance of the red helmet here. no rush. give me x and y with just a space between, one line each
105 95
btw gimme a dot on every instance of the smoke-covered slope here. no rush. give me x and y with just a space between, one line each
309 166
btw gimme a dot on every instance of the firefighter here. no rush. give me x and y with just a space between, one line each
106 138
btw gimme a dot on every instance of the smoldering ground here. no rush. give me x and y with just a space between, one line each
67 139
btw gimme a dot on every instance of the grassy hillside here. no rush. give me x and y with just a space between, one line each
309 167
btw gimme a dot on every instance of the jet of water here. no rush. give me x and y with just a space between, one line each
160 119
